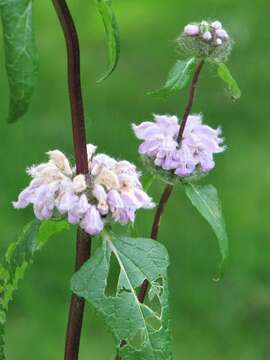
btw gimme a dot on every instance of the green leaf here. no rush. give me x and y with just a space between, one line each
18 257
112 33
226 76
21 54
178 78
205 199
144 327
148 180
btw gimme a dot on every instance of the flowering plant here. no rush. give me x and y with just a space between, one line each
99 191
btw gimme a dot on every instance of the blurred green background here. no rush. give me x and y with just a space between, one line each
226 320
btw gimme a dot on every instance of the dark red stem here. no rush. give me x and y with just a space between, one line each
79 139
192 90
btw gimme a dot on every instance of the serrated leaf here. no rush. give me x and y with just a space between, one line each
112 33
126 317
205 199
18 257
178 78
21 54
226 76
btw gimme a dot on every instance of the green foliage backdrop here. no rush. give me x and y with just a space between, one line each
227 320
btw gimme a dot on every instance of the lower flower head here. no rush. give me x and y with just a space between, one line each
194 155
111 191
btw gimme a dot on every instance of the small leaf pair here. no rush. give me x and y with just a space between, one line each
181 73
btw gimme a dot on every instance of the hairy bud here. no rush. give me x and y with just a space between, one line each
206 40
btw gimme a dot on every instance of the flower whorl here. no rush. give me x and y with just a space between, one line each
111 191
194 154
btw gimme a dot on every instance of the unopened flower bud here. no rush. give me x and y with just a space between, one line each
192 30
216 25
202 40
222 34
207 36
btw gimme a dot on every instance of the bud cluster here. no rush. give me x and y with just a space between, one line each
194 155
111 191
206 40
208 32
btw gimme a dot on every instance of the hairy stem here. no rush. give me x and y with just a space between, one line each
83 245
169 188
188 108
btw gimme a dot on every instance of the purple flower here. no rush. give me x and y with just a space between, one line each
114 200
111 190
92 222
78 210
124 216
195 152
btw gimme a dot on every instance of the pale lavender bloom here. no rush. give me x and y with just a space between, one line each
92 222
130 200
26 197
101 195
44 200
78 210
114 200
195 152
161 142
111 190
100 162
125 215
144 199
65 201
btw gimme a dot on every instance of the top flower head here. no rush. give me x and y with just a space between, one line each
193 156
111 191
208 32
206 40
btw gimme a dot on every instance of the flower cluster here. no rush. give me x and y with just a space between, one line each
208 32
193 155
207 40
110 192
